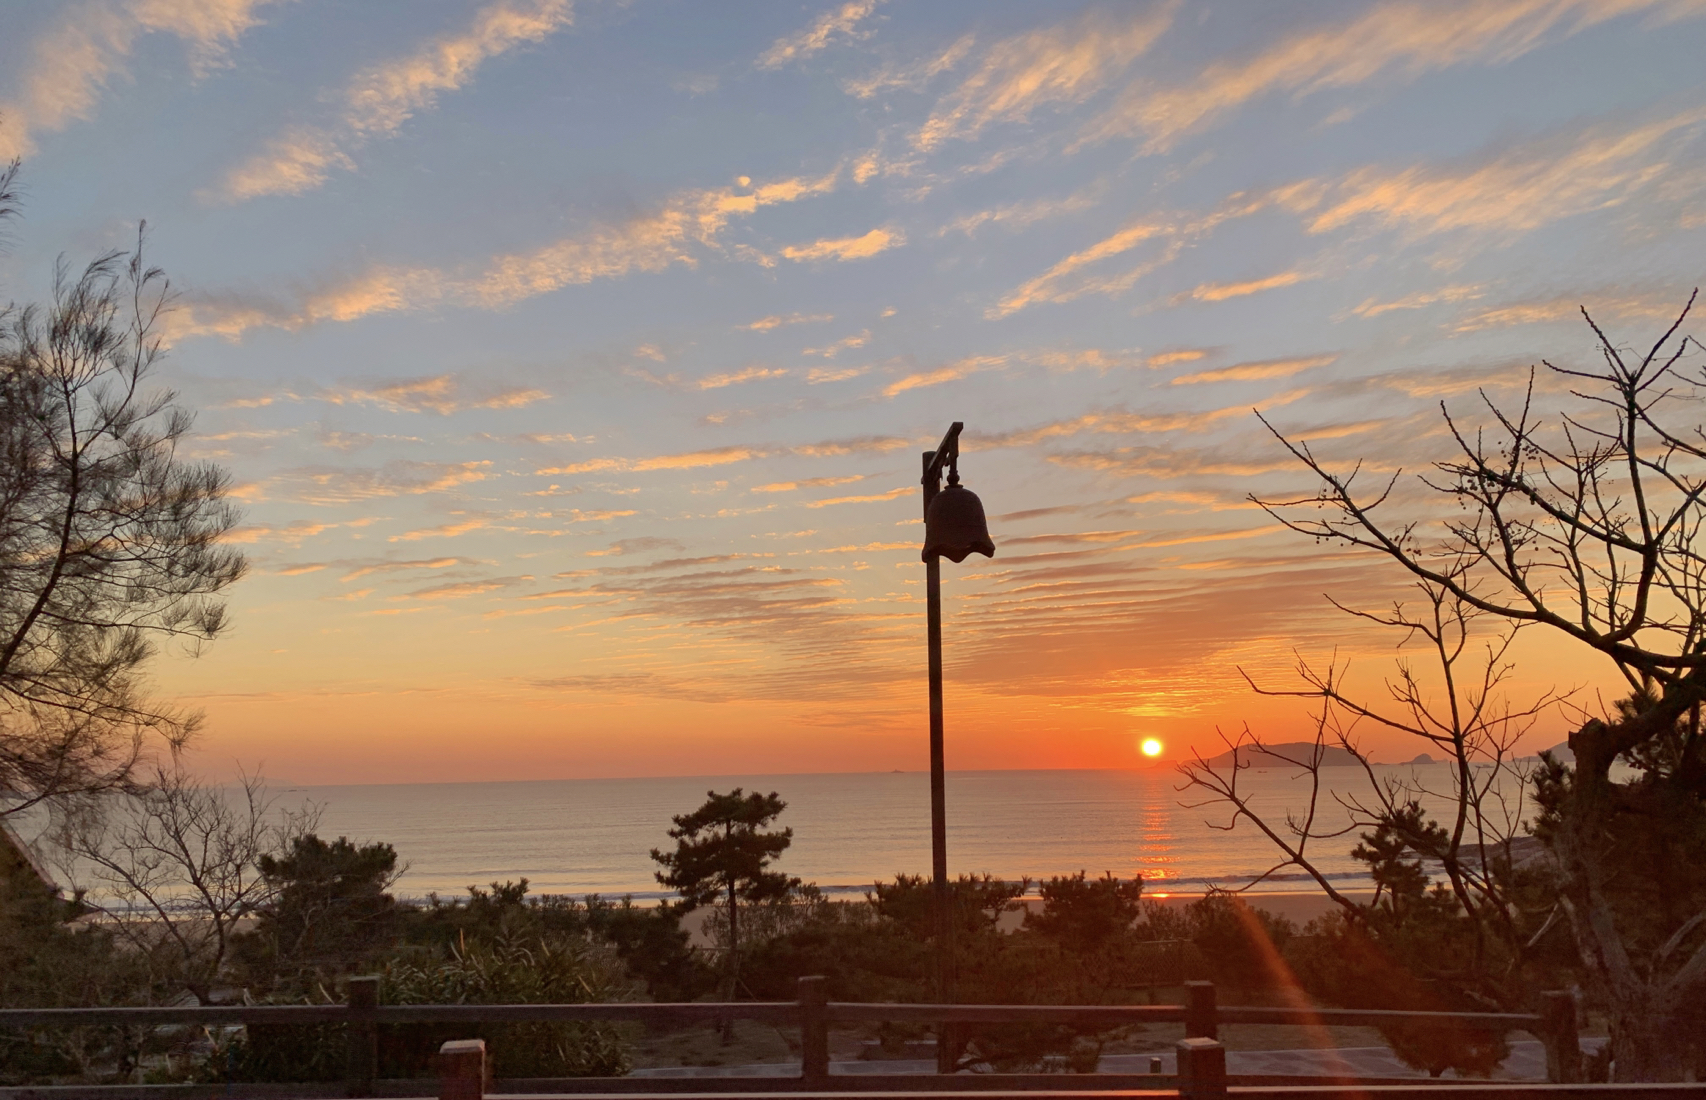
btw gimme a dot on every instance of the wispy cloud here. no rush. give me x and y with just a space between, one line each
1117 422
1373 307
808 483
1178 355
442 531
1019 215
368 569
1052 66
911 76
847 248
1220 292
441 394
1563 307
1511 191
830 351
641 545
1254 371
290 534
733 378
379 100
1083 359
681 231
776 321
1063 282
1505 192
87 47
725 456
819 375
691 460
457 590
890 495
323 485
840 22
1392 41
952 372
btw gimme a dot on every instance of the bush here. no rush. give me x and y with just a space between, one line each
548 970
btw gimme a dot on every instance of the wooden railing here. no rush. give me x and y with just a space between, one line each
1201 1059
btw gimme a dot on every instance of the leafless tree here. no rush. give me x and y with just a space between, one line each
1467 826
174 867
110 542
1584 523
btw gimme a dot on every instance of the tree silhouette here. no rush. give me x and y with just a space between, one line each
111 543
723 853
1577 511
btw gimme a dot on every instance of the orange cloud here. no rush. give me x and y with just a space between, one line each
678 232
1249 372
692 460
1019 215
1371 307
731 378
444 531
1401 39
768 324
808 483
830 352
953 372
847 248
1182 355
1568 307
838 22
441 394
890 495
1220 292
379 100
1049 67
71 65
1517 190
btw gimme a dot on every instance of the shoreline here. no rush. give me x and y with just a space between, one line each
1299 906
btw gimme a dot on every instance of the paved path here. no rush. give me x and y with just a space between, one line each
1526 1062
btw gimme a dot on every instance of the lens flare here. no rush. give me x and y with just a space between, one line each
1151 747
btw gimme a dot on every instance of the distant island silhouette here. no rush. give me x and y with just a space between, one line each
1249 756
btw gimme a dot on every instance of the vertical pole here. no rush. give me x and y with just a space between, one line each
940 896
361 1063
1201 1019
462 1070
1563 1038
814 1031
1202 1069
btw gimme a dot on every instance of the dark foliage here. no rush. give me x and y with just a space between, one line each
328 912
111 543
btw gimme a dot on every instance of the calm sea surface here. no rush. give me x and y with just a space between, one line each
586 836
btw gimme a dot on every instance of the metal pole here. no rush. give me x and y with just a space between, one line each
938 778
941 899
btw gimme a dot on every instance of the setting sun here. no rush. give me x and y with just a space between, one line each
1150 747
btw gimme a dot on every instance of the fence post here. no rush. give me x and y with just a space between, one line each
1563 1037
462 1070
814 1030
1202 1069
361 1064
1201 1021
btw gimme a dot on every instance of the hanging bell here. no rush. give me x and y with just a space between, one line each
954 526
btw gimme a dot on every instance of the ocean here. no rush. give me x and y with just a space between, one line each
583 836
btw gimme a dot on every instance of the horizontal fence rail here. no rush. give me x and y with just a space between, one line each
1198 1055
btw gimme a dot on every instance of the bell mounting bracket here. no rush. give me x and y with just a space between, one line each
947 453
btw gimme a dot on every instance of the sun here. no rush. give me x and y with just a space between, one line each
1151 747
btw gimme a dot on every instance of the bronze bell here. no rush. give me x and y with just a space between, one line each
954 526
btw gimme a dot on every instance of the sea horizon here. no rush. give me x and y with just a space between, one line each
578 837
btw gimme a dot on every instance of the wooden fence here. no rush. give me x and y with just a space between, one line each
1201 1059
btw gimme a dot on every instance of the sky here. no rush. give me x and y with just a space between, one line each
572 360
